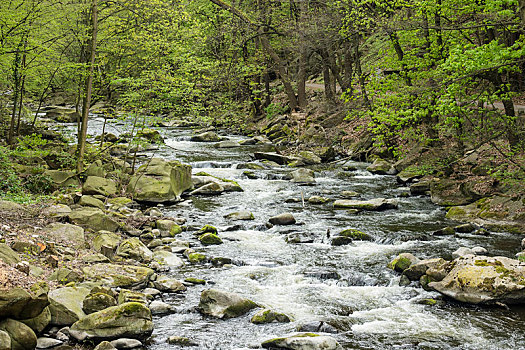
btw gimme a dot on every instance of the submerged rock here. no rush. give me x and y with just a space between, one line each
303 341
483 280
224 305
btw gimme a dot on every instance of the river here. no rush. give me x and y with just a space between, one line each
348 287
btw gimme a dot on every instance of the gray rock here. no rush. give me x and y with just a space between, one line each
224 305
105 345
126 343
483 280
47 343
283 219
129 320
210 189
93 218
5 341
8 255
418 269
382 167
274 157
66 305
123 276
133 248
376 204
227 144
99 185
303 176
159 181
160 308
22 337
303 341
66 233
90 201
240 215
167 258
168 284
208 136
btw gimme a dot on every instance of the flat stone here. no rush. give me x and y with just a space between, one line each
47 343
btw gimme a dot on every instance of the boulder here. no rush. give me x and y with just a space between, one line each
402 262
105 345
96 168
158 307
63 275
240 215
40 322
274 157
63 114
160 181
303 176
128 296
227 144
493 213
5 341
283 219
96 302
22 337
309 158
167 258
106 239
464 251
418 269
123 276
318 200
99 185
66 305
9 256
62 178
420 188
269 316
126 343
90 201
168 228
133 248
47 343
210 189
168 284
224 305
10 206
210 239
382 167
447 192
376 204
151 135
71 235
94 219
303 341
19 304
483 280
208 136
57 211
129 320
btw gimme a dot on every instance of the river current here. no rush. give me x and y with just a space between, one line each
348 287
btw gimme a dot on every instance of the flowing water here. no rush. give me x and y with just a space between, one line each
348 287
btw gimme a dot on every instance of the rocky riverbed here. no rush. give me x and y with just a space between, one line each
217 243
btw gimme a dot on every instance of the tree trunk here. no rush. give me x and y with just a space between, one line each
89 85
16 93
362 83
301 79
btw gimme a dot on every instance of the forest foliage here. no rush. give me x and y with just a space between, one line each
419 70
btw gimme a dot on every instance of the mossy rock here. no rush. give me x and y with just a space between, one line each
207 229
129 320
355 235
224 305
210 239
197 258
402 262
269 316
